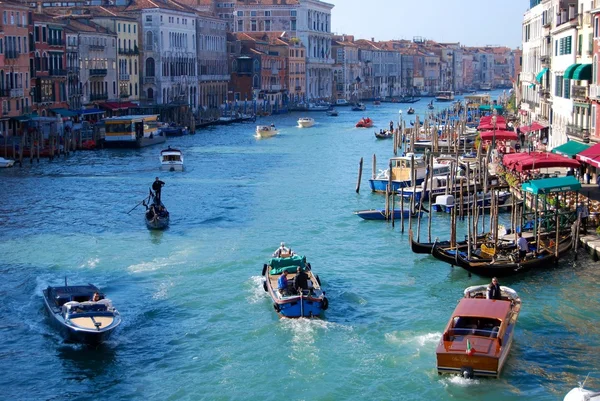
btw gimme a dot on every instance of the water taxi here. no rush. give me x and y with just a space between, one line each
134 131
266 131
171 159
306 122
401 173
445 96
478 337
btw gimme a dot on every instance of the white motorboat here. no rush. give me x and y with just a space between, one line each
171 159
580 393
342 102
266 131
305 122
6 162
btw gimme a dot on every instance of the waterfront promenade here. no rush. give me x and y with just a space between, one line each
196 321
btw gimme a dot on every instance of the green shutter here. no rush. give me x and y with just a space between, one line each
568 45
567 89
580 45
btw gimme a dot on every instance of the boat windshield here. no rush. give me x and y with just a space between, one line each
477 326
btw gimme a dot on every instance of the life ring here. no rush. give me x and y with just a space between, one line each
318 279
276 307
325 304
264 270
265 286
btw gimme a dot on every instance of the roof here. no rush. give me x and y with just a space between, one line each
536 160
570 148
139 5
481 307
547 185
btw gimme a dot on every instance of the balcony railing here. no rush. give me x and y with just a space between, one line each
11 54
129 52
123 77
16 92
58 72
577 132
97 47
73 70
148 47
56 42
149 80
579 92
4 112
98 72
98 96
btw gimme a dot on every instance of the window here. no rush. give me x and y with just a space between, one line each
240 26
239 14
253 13
119 27
267 25
267 13
580 45
293 25
148 18
596 27
593 117
253 25
293 13
135 26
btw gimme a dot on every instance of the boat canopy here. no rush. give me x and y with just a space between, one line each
278 265
484 308
547 185
501 135
570 148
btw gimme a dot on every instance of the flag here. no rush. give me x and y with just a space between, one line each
470 350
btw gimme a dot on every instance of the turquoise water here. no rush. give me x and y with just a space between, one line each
196 321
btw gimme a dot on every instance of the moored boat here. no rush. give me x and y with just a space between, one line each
174 130
581 393
342 103
133 131
306 122
384 135
401 173
364 123
410 111
266 131
332 113
445 96
379 214
79 315
171 159
479 334
294 300
6 162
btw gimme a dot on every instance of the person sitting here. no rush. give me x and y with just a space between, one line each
493 291
96 297
301 280
523 246
282 283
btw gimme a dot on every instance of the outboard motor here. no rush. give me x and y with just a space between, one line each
467 372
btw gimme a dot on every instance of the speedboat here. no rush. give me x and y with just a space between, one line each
78 316
171 159
305 122
364 123
156 216
332 113
6 162
580 393
359 107
266 131
289 302
479 334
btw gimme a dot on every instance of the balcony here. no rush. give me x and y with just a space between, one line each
98 72
4 112
123 77
73 70
16 92
98 96
544 93
148 47
129 52
97 48
298 88
56 42
576 132
579 92
58 73
149 80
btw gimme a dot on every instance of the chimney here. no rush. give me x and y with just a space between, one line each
372 39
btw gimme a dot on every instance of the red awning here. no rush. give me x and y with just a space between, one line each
501 135
117 105
590 156
489 126
535 160
535 126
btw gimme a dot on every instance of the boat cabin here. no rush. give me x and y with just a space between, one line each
61 295
131 128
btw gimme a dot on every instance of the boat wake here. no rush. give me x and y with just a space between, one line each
90 263
257 293
411 339
154 264
458 381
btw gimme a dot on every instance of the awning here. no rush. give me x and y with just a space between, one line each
547 185
21 119
590 156
64 112
570 148
541 74
500 135
117 105
490 126
583 73
536 160
85 112
535 126
570 71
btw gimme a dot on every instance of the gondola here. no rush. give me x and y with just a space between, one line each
156 215
427 247
384 135
410 111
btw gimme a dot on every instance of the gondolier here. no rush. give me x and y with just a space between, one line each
157 188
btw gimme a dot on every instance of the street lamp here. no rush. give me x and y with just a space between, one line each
494 119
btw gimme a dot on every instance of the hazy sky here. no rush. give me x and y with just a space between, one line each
470 22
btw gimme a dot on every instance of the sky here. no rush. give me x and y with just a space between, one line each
470 22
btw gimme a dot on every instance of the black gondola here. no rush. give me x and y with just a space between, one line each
156 215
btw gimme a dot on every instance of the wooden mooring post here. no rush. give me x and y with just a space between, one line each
360 170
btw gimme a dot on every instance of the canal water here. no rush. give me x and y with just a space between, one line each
196 321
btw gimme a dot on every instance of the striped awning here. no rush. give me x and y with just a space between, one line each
570 71
583 72
540 75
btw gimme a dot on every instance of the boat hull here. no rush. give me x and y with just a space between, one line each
138 143
380 185
159 223
171 166
305 124
379 214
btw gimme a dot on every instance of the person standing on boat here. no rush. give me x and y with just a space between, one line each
523 246
282 283
157 188
301 280
391 126
281 250
493 291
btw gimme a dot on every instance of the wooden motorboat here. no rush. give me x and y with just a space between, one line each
385 135
359 107
157 216
306 122
364 123
379 214
479 334
266 131
78 316
171 159
291 302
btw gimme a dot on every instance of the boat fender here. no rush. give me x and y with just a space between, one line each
325 304
265 286
276 307
264 270
318 279
467 372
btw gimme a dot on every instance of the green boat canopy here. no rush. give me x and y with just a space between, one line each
570 148
541 74
583 72
570 71
278 265
548 185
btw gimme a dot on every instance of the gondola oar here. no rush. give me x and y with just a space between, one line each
143 200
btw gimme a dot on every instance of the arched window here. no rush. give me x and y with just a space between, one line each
255 82
150 93
256 66
149 67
